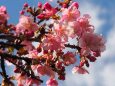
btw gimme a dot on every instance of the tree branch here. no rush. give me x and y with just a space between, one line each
73 46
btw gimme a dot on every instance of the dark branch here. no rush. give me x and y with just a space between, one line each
5 45
3 68
7 56
73 46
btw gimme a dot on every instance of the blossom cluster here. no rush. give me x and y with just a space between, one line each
36 45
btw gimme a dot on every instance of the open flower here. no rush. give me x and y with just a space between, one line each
45 70
92 41
52 42
52 82
69 58
26 24
71 13
32 81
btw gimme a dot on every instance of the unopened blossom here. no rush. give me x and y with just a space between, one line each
52 82
74 5
22 12
25 5
69 58
26 24
3 14
79 70
92 41
39 4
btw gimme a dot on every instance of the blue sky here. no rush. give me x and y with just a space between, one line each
102 73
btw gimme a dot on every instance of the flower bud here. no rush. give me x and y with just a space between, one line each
25 5
39 4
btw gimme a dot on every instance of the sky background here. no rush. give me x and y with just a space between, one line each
102 72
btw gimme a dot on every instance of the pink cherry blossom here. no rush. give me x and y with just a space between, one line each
3 14
79 70
48 12
52 82
20 79
52 42
64 30
69 58
82 25
32 81
2 9
26 24
74 4
70 14
92 41
61 31
45 70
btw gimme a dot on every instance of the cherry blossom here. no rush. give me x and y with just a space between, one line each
69 58
45 70
52 42
80 70
26 24
52 82
70 14
87 42
3 14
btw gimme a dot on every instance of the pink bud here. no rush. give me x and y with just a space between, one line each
47 6
40 16
22 12
61 77
75 4
25 5
2 9
29 33
96 54
39 4
64 5
91 58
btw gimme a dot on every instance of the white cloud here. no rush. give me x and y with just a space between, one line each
110 45
108 75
